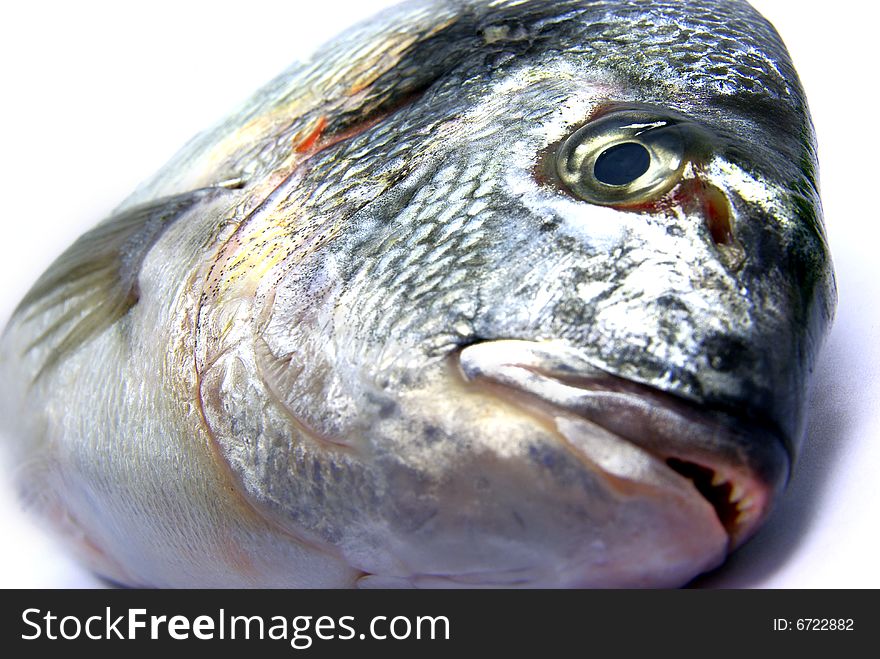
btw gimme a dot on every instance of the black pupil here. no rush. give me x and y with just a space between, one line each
622 164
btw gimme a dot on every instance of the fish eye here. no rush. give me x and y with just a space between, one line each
625 157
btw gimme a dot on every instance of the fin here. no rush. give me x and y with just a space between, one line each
97 277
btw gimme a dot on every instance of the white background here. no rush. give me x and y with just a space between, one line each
96 96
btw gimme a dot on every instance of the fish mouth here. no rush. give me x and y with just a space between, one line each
735 464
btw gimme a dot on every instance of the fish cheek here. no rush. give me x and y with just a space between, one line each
289 472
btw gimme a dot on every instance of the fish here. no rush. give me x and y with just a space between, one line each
482 294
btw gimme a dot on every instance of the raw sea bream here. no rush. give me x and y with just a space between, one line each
481 294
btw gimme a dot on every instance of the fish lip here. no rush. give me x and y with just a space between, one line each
739 465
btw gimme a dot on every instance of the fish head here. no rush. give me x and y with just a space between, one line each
559 325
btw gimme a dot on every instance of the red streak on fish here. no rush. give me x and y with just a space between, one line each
712 204
313 136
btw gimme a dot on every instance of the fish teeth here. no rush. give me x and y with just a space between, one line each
737 492
744 516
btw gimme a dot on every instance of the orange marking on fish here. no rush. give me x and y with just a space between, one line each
364 125
301 146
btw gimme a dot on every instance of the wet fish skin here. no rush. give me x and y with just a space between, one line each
376 344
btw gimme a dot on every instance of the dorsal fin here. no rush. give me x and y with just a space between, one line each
96 278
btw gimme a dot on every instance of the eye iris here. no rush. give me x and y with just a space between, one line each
622 164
